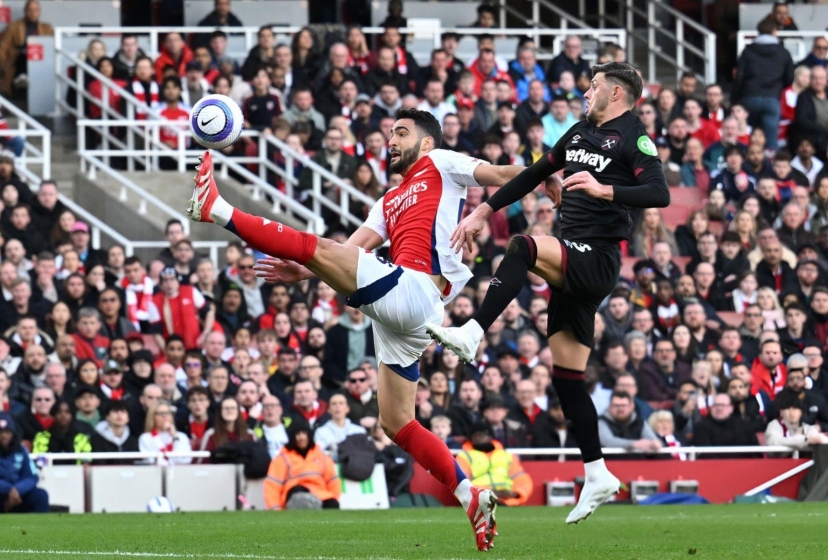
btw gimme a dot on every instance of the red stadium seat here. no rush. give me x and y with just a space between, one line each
661 405
673 216
681 262
627 267
716 228
732 318
687 196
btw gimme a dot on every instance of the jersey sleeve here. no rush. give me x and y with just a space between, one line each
650 190
376 220
457 166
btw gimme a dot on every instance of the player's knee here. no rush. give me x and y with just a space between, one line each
390 428
392 423
525 247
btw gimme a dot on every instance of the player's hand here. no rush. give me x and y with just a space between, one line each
584 181
554 187
277 270
469 227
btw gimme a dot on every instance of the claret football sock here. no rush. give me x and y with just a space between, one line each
508 281
433 455
272 238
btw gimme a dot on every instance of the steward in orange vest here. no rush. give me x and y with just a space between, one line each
301 467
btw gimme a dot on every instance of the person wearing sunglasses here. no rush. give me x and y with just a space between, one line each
362 401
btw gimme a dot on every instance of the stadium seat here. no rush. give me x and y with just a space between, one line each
675 215
687 196
627 267
717 228
732 318
682 262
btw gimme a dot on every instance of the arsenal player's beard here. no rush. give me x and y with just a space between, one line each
596 107
406 160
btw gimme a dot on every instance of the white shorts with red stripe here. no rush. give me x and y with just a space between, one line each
400 301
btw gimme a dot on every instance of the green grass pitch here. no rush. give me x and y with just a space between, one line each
625 532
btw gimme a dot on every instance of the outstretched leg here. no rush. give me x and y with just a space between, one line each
332 262
545 257
396 397
541 255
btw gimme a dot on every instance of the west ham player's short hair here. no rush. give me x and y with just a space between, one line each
425 122
624 75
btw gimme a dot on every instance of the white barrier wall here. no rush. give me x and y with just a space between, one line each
122 489
252 12
808 17
65 485
201 487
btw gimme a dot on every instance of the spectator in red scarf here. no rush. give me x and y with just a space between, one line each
112 384
307 405
144 87
195 420
161 436
37 418
248 399
88 343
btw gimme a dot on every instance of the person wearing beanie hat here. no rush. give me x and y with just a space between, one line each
18 478
509 432
301 468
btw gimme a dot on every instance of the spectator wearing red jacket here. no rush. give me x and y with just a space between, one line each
89 345
768 372
485 68
175 53
702 129
178 308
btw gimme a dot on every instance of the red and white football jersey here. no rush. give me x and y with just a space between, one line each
419 216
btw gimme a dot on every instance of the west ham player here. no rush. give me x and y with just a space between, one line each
418 217
609 165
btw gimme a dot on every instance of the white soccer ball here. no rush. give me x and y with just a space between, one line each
160 505
216 121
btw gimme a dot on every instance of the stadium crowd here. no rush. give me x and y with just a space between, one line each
716 333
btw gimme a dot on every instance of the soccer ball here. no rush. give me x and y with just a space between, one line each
216 121
160 505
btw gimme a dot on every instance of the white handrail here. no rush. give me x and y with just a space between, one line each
154 148
29 127
692 452
787 38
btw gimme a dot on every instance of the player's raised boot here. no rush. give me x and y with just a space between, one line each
595 492
481 512
206 204
463 341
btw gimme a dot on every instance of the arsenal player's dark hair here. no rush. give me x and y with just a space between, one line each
425 122
624 75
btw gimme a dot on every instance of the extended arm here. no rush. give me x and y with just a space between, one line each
520 185
496 175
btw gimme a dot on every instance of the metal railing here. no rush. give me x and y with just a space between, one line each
665 35
142 148
798 43
29 130
693 453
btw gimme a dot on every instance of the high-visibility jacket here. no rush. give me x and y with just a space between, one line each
498 470
316 472
44 443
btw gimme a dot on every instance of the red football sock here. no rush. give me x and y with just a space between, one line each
431 452
273 238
